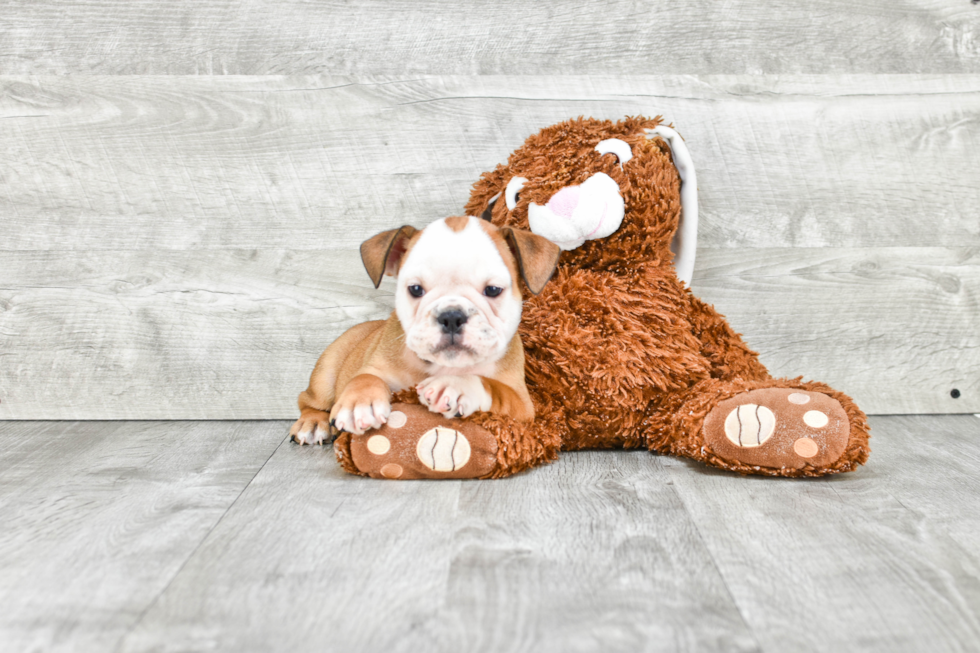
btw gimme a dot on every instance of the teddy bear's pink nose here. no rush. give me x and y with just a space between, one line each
563 202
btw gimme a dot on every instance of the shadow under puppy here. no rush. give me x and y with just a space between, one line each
452 336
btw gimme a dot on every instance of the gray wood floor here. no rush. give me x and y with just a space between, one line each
187 536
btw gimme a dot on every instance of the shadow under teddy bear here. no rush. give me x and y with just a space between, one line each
619 352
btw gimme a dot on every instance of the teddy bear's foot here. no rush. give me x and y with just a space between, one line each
778 428
416 443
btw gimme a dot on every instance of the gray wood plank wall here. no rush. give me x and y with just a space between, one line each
549 37
178 245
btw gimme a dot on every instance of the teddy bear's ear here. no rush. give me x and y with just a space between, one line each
537 257
382 254
685 243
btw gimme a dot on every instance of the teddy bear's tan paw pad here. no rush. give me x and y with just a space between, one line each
416 443
778 428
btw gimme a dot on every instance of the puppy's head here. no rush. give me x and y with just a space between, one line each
457 293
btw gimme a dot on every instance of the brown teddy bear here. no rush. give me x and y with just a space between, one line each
619 353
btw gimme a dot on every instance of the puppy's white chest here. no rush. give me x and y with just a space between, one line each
483 369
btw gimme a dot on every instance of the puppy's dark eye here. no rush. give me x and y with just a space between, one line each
416 290
492 291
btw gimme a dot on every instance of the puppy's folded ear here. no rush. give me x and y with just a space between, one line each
537 257
382 254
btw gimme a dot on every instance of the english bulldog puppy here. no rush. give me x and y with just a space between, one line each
452 335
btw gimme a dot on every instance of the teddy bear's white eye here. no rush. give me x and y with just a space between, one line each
621 149
514 187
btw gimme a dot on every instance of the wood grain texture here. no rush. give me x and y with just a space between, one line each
549 37
139 537
871 561
99 517
896 328
313 559
234 334
593 554
325 162
951 453
172 335
183 248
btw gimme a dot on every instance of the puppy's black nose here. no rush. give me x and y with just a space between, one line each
452 321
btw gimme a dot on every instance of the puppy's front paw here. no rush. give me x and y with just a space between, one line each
311 428
357 414
454 396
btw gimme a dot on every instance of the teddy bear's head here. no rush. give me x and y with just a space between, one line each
606 192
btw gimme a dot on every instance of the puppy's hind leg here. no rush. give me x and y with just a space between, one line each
313 425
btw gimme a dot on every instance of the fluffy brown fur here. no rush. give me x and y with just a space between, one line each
619 353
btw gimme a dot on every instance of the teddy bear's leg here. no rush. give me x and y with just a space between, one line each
725 352
417 444
777 427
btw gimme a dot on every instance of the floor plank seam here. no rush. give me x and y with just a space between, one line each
711 556
191 555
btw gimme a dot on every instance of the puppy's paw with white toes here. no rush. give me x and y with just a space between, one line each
454 396
316 436
311 428
358 416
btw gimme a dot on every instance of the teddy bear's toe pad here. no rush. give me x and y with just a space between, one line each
416 443
778 428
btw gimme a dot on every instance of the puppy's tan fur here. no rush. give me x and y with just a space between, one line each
371 360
